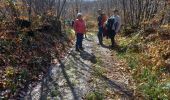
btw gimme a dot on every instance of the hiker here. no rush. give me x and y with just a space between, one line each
104 20
100 27
80 29
113 26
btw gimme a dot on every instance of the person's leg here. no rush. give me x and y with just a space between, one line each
78 41
112 41
113 38
100 36
81 41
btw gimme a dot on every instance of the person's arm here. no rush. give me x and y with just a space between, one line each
119 24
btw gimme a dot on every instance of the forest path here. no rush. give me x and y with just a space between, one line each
93 72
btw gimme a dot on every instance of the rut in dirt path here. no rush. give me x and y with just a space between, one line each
77 76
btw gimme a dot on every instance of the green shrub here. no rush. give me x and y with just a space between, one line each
94 96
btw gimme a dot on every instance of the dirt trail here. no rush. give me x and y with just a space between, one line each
93 70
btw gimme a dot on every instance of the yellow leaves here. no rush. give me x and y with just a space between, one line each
23 17
7 78
2 6
50 12
9 71
158 51
160 63
165 26
7 83
144 61
145 22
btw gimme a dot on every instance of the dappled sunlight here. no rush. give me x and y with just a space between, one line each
74 50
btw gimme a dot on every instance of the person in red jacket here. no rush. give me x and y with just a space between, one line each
103 22
80 29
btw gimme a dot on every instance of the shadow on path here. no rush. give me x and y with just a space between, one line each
116 86
105 46
87 56
47 81
89 39
81 62
62 66
75 60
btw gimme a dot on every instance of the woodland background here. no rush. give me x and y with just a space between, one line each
34 32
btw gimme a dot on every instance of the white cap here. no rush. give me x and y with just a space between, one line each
79 14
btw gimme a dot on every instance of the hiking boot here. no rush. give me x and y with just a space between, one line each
81 48
78 50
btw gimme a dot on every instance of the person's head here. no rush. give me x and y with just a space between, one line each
116 12
79 16
103 14
99 11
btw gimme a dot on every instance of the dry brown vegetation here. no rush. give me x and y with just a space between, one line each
32 35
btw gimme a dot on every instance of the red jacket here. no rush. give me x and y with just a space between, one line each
80 26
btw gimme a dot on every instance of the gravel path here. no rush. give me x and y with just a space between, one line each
82 73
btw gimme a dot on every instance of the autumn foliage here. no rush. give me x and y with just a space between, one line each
28 45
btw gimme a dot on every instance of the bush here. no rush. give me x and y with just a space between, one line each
149 31
164 34
128 31
135 48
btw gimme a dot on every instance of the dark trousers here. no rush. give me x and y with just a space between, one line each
100 35
79 40
112 35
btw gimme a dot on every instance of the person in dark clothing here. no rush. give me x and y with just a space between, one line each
113 26
100 27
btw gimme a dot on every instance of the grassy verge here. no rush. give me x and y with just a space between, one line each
146 63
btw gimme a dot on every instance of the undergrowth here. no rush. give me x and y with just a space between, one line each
147 61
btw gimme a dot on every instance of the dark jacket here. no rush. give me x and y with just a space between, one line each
99 19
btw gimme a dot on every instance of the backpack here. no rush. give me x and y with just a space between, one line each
110 23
